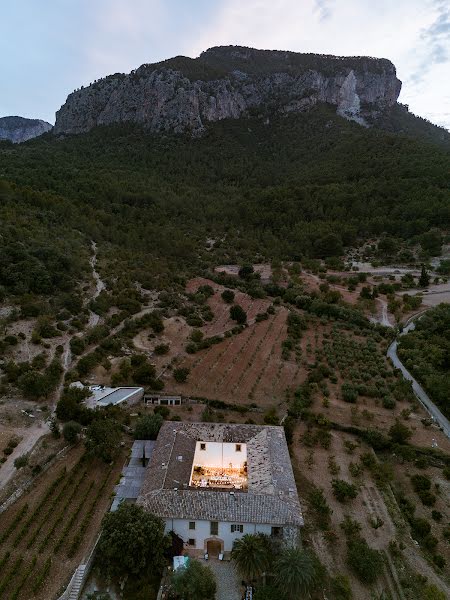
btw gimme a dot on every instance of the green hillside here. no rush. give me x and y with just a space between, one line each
302 186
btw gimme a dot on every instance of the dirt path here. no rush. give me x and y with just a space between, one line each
382 317
29 435
99 285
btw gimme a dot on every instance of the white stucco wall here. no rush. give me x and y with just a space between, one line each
202 532
217 454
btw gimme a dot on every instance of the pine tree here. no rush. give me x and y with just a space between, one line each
424 278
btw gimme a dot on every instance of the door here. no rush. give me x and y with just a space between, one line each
214 548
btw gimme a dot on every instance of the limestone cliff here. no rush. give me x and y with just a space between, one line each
20 129
183 94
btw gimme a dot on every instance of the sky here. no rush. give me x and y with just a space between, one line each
48 48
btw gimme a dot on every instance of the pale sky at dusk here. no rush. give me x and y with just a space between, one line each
50 47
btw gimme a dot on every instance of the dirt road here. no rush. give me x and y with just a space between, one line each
30 436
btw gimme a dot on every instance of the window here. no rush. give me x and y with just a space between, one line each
214 530
238 447
191 542
237 528
191 524
202 446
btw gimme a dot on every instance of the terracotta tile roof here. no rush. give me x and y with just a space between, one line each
271 497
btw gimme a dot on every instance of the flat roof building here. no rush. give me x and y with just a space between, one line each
104 396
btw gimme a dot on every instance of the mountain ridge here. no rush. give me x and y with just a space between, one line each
20 129
184 95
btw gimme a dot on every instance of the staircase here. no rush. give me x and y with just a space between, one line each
77 583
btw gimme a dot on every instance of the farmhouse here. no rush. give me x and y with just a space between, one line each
213 483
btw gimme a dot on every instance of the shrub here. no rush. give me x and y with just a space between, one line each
429 542
428 499
271 417
181 374
399 433
161 349
21 461
349 393
320 506
388 402
197 335
436 515
228 296
238 314
420 527
439 561
365 562
195 582
350 527
71 431
431 592
343 490
148 426
340 587
420 482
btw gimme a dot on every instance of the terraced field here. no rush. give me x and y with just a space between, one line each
45 535
244 368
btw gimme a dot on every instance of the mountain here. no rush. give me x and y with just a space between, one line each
228 82
20 129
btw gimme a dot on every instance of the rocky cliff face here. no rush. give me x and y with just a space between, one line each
19 129
184 94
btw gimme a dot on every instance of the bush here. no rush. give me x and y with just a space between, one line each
420 482
71 431
349 393
148 426
429 542
238 314
181 374
420 528
271 417
428 499
343 490
388 402
431 592
164 411
365 562
161 349
194 582
340 587
350 527
197 335
21 461
399 433
228 296
320 506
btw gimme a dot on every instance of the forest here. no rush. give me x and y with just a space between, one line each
426 353
301 186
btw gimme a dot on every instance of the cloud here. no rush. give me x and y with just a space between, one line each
67 44
323 9
435 40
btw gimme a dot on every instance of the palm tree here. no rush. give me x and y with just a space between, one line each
297 573
251 556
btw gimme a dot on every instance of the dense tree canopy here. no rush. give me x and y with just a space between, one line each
425 351
306 185
132 542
